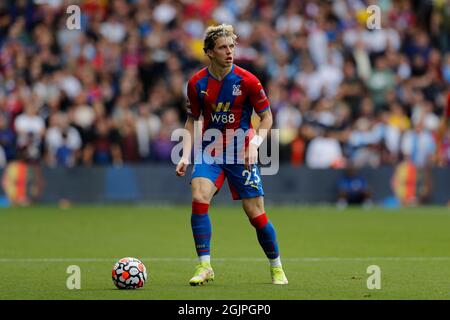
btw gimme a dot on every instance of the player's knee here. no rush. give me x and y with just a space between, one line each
253 208
202 191
200 195
200 199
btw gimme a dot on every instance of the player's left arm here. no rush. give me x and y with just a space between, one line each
261 105
265 124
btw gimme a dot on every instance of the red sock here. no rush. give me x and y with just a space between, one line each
260 221
199 208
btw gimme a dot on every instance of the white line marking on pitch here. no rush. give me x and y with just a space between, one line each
305 259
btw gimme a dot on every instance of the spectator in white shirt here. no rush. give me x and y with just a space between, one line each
30 129
61 135
419 145
324 152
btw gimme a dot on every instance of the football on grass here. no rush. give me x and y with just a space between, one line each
129 273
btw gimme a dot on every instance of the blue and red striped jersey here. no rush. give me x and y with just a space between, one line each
226 104
237 94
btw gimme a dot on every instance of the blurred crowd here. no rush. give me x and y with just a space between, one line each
113 91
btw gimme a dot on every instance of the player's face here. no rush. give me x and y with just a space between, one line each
223 52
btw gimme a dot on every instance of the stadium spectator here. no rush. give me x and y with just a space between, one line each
288 119
2 158
30 129
162 143
444 150
419 146
148 125
62 141
351 88
353 189
307 54
380 81
7 139
103 146
324 152
129 142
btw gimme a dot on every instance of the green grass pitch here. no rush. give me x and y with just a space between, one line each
325 252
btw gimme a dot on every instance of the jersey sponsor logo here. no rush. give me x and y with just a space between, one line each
223 118
221 107
237 90
222 113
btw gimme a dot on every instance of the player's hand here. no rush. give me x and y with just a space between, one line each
182 167
251 156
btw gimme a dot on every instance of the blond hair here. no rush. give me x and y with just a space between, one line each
212 33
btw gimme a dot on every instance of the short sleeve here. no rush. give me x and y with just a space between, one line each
193 105
257 95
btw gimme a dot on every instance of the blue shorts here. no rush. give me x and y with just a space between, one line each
243 183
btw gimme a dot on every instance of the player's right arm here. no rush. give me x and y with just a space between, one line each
193 111
187 146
